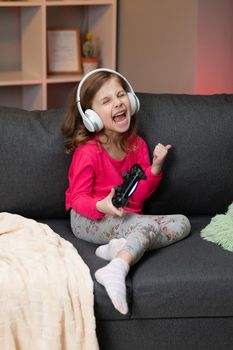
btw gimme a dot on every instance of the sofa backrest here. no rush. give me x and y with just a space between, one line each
33 166
198 173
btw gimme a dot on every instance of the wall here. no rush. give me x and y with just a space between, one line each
174 45
214 60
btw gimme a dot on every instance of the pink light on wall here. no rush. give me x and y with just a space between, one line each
214 59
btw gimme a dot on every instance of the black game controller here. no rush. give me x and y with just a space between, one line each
129 185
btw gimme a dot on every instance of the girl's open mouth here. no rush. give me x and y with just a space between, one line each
120 117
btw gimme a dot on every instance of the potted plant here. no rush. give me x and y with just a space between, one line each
89 59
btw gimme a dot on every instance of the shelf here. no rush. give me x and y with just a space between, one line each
63 78
55 3
24 80
18 78
19 3
78 2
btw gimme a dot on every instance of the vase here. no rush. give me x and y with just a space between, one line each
89 64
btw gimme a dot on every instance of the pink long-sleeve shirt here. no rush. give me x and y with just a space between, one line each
93 173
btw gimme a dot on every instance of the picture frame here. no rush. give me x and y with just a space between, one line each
64 51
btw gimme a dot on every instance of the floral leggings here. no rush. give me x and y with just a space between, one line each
142 232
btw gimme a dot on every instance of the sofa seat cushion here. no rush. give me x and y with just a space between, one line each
192 278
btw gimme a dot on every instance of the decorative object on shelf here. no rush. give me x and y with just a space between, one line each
64 51
89 59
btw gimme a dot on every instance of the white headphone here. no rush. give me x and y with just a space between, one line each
91 119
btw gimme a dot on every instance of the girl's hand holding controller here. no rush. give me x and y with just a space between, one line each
105 205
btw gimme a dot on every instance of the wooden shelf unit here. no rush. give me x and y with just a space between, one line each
24 81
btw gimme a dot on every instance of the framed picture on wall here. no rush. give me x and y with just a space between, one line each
64 51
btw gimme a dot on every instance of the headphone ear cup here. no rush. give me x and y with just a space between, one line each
92 121
134 102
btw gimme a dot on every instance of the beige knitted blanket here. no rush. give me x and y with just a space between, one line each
46 292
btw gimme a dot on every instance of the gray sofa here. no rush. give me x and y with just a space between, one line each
180 297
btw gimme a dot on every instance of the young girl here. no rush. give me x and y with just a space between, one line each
101 131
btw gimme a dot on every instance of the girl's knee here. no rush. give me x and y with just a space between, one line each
184 223
150 228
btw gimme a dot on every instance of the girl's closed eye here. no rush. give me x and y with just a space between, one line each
122 94
106 101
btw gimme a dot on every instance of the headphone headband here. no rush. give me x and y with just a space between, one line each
78 97
90 119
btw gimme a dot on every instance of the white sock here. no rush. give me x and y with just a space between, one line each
109 251
112 277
